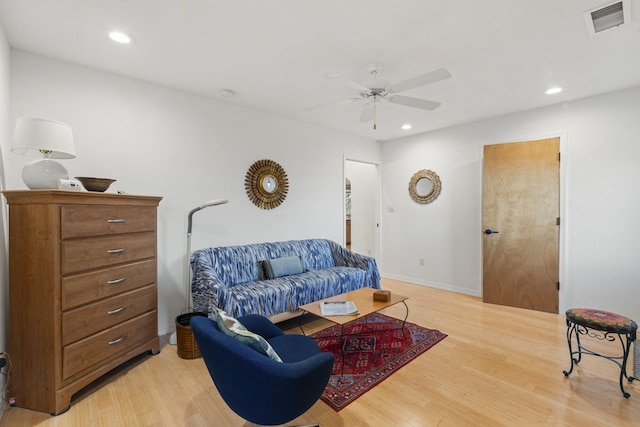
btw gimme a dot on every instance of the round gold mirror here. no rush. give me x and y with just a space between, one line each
266 184
424 186
269 183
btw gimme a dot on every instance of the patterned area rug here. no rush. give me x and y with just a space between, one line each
371 349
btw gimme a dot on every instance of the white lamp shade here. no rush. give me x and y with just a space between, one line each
34 136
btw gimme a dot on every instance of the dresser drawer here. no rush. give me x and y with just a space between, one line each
87 353
85 221
86 254
89 319
89 287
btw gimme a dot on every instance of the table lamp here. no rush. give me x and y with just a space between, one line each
45 138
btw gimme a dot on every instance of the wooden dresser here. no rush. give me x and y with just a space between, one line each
82 290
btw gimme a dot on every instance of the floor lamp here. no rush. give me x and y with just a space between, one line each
188 303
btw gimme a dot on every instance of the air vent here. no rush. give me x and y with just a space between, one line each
607 16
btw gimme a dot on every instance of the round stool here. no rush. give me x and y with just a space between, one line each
601 325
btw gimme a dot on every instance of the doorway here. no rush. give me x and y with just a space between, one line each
347 206
362 207
520 219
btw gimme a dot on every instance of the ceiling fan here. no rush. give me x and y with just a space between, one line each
377 90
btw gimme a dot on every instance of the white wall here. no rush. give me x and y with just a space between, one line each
600 173
444 233
188 149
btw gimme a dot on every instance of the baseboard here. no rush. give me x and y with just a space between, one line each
436 285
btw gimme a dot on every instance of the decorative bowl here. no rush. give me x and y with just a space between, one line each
95 184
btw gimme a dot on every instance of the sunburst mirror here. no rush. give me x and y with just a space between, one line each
424 186
266 184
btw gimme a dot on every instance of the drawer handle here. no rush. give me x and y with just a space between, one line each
117 310
115 221
118 340
116 251
114 281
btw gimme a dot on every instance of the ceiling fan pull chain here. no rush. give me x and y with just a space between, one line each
374 112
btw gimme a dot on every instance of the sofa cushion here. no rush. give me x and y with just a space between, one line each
319 284
280 267
232 327
287 293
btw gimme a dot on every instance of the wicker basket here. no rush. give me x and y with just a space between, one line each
187 347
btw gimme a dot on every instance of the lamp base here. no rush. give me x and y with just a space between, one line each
43 173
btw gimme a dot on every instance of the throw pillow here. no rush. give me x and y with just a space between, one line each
285 266
262 275
232 327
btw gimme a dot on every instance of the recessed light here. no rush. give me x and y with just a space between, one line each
553 90
406 126
120 37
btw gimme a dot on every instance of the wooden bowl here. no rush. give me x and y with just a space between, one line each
95 184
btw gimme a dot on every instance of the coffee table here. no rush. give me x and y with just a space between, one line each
363 299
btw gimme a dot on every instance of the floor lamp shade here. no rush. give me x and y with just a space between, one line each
188 302
183 349
48 139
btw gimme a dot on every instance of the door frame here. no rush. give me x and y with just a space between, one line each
562 232
378 205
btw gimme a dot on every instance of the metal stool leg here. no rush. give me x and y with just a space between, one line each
570 330
573 329
623 366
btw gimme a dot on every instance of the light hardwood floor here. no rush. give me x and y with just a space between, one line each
499 366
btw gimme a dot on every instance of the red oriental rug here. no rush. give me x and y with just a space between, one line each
370 350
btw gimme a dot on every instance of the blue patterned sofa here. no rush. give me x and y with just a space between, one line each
232 277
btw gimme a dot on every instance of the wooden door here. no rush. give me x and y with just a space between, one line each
520 215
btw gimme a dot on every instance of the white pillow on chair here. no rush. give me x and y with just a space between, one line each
232 327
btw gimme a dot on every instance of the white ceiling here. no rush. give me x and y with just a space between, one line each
274 54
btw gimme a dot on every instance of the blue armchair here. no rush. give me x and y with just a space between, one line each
257 388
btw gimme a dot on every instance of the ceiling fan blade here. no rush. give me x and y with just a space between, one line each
367 112
425 79
325 104
414 102
348 82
